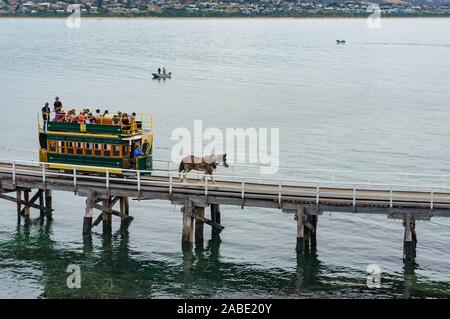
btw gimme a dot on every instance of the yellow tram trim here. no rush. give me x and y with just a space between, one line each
86 169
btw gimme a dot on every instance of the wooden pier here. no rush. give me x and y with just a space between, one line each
30 185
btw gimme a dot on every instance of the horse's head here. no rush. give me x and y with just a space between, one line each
225 160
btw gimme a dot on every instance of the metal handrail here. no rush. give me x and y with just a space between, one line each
308 170
275 181
276 188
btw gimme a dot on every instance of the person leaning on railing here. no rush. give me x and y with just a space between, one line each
46 115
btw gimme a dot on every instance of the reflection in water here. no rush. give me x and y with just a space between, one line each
110 268
308 267
410 278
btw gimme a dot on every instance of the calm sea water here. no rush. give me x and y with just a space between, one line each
378 103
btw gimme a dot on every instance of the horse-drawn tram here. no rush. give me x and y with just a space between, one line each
97 147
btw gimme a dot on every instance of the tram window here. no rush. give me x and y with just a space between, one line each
97 150
79 148
70 148
116 150
106 150
52 146
61 147
88 149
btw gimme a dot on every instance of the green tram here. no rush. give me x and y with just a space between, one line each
97 146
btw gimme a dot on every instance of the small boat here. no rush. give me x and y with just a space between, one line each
340 41
162 76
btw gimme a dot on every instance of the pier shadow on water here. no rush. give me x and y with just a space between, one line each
112 268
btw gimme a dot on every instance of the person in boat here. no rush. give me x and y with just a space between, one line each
57 105
159 70
164 71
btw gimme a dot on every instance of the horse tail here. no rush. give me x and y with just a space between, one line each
181 168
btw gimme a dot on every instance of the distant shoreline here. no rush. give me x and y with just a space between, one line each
133 17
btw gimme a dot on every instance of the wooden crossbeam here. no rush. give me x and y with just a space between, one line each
97 221
208 222
110 211
31 201
22 202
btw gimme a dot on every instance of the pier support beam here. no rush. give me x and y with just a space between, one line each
26 198
124 210
300 218
41 203
215 218
410 238
314 222
19 205
88 215
48 203
106 217
188 223
199 224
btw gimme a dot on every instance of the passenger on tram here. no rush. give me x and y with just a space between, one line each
71 116
81 118
116 120
125 119
138 152
145 146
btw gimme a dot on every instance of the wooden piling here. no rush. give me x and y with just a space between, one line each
314 222
88 215
199 224
410 239
300 215
19 205
106 217
215 218
48 203
125 210
26 198
41 203
188 223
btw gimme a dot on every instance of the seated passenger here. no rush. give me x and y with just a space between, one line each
90 119
116 120
59 117
125 119
81 118
71 116
98 117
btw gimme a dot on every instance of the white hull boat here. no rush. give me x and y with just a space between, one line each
161 76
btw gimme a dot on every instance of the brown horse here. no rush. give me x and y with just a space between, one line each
206 164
